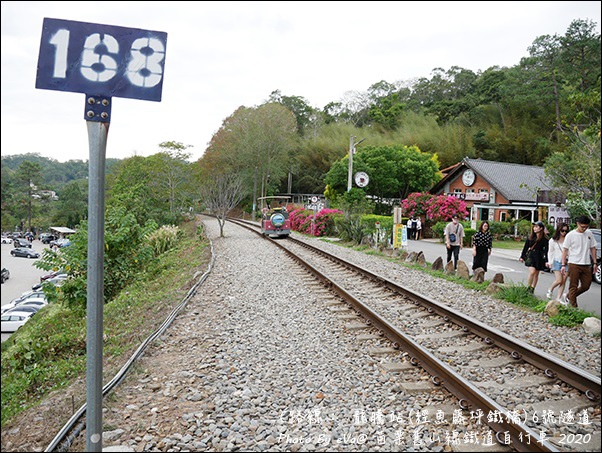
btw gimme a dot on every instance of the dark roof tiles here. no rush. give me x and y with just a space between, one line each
515 182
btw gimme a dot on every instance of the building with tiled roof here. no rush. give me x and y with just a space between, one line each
499 191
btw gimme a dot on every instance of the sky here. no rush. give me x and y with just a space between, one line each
223 55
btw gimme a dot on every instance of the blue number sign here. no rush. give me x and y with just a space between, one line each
103 60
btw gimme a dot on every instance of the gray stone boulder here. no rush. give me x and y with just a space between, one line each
437 264
412 257
552 308
591 326
494 288
449 268
478 275
462 270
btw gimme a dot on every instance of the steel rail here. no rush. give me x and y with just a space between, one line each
442 374
62 439
553 367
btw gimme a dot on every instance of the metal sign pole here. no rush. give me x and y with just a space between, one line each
97 139
108 61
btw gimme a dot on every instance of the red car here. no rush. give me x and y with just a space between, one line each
274 219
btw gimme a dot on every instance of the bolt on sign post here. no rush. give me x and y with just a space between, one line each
101 61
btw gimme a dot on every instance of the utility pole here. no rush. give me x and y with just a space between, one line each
351 153
350 170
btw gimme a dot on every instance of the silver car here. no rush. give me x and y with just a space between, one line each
24 252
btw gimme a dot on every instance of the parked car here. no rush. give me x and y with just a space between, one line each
596 233
20 242
62 242
39 294
24 253
46 238
5 274
58 281
11 322
7 240
31 308
35 303
51 274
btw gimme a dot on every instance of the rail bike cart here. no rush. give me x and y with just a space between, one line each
274 216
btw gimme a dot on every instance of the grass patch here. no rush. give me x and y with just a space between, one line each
508 245
521 296
570 317
49 352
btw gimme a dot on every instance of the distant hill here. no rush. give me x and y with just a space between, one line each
56 174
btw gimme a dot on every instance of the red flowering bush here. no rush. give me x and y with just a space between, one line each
303 221
415 204
442 207
436 208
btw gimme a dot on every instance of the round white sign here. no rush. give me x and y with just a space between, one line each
361 179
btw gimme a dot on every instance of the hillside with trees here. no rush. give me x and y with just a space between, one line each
543 111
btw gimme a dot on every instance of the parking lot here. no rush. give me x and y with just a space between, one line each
23 274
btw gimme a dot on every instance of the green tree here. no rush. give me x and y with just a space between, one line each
305 115
158 187
72 206
127 187
170 176
394 172
576 173
30 175
386 106
126 251
255 143
581 55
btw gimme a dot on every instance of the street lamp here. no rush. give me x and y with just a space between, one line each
351 153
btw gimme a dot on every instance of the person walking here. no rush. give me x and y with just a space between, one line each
454 236
482 242
418 228
535 253
411 227
578 254
555 262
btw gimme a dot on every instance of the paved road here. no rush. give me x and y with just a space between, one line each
23 274
506 262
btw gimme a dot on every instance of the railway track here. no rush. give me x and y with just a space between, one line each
559 406
469 372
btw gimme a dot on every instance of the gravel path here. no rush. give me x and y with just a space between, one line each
256 362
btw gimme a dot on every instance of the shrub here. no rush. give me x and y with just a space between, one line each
164 238
350 229
302 221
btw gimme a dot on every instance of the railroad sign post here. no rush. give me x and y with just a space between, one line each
100 61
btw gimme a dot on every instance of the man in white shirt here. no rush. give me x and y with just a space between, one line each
578 254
